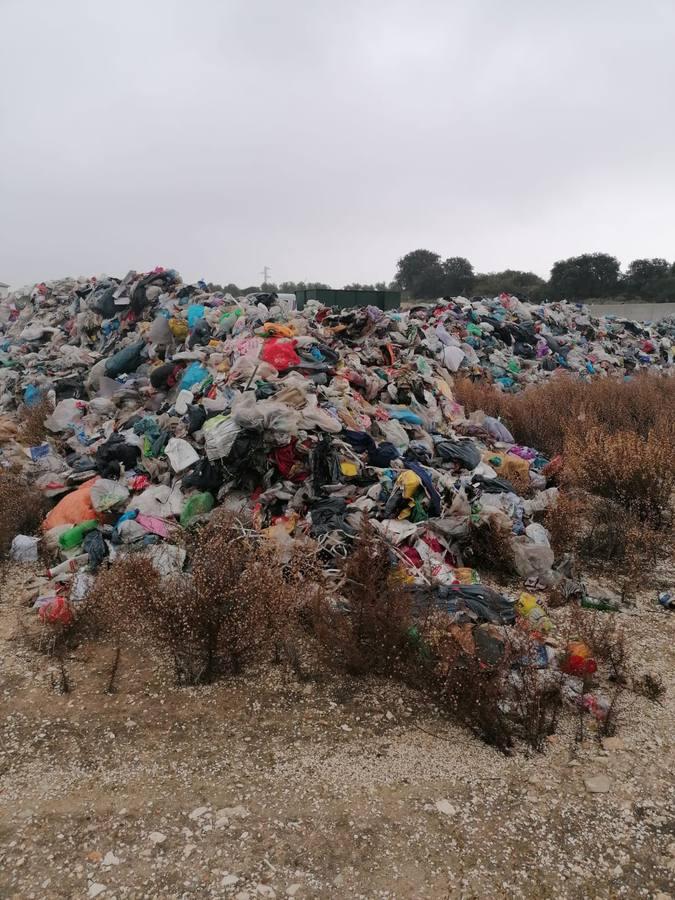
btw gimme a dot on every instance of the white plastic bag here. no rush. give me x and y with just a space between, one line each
106 493
66 413
220 434
24 548
180 454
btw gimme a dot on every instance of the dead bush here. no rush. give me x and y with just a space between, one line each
651 686
606 639
473 693
21 510
367 629
624 467
565 521
604 534
490 548
488 679
234 607
544 415
475 395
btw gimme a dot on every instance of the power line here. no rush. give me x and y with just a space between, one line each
266 275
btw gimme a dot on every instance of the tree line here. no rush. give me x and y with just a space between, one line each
424 275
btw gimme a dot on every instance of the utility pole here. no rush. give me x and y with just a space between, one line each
266 275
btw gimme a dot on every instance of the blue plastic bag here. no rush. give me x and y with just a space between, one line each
194 374
194 313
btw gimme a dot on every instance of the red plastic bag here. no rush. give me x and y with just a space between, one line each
56 612
280 353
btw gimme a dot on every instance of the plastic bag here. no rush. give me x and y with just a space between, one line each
395 434
65 414
128 359
197 505
160 500
280 353
180 454
452 357
531 560
267 415
194 374
106 493
24 548
73 508
55 611
195 312
220 434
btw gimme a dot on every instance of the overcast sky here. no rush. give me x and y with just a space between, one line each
326 139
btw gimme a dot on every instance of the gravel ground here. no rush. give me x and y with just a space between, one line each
264 787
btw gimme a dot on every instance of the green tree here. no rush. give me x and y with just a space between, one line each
458 276
524 285
584 277
421 273
646 277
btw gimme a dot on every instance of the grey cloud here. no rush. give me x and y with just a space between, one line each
327 139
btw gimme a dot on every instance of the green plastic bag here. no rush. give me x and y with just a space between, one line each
196 505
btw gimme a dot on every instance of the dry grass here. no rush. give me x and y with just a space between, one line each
616 439
605 535
623 466
544 415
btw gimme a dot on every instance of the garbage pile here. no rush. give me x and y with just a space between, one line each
170 400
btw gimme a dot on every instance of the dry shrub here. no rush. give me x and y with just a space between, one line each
475 395
233 608
636 472
490 548
614 536
544 415
500 699
368 628
33 430
473 693
603 533
605 637
651 686
21 510
564 522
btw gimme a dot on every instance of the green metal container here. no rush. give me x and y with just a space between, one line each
384 300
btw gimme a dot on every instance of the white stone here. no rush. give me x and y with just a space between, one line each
445 807
199 812
598 784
